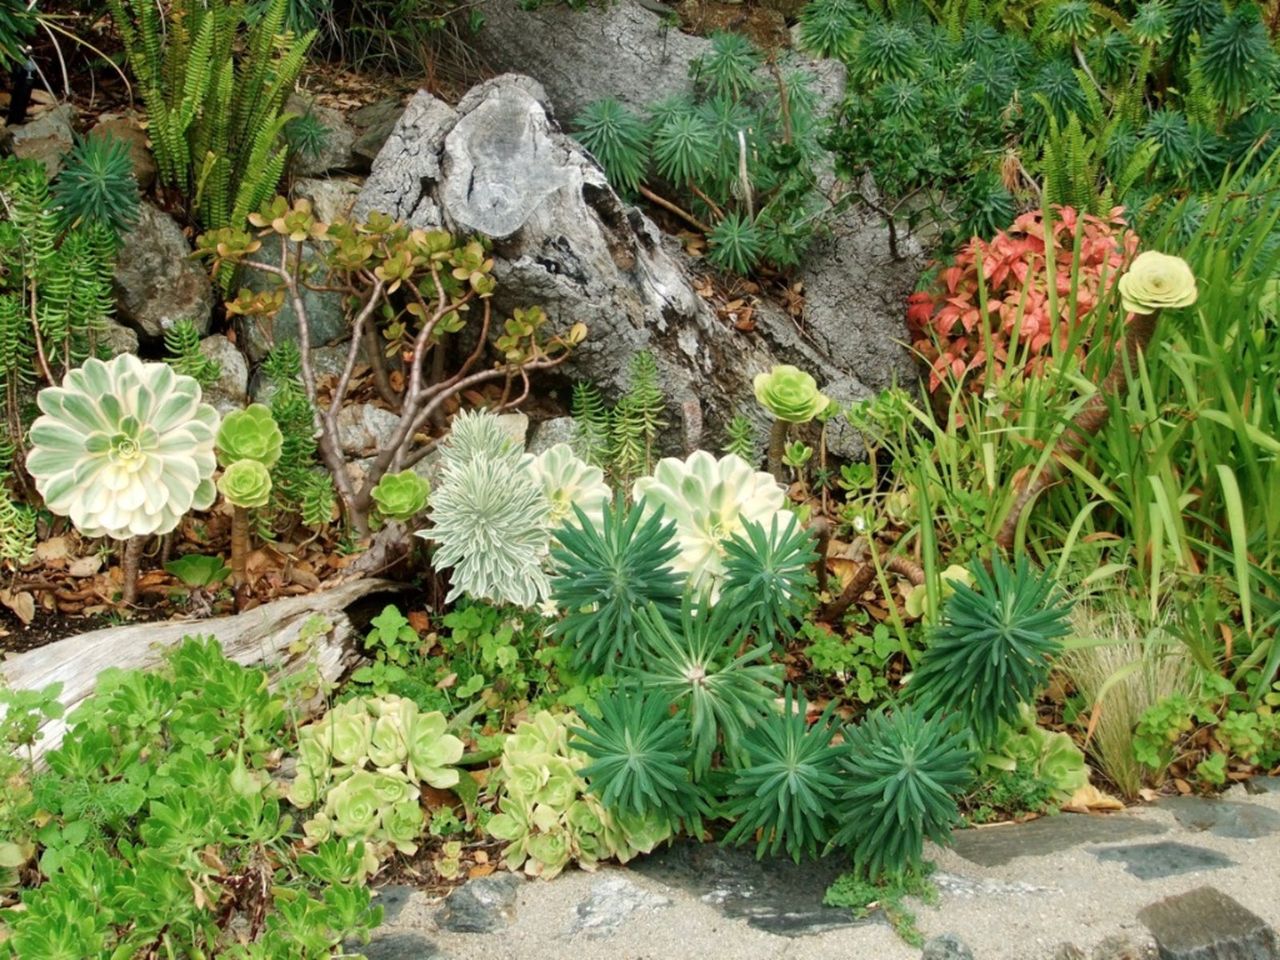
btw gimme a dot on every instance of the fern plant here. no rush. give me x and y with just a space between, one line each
182 344
214 90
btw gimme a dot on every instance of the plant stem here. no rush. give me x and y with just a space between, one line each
239 548
777 446
129 568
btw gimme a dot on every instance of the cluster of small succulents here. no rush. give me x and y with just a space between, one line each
545 814
361 766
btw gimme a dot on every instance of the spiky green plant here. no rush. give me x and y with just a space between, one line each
769 581
786 790
640 758
182 346
887 50
684 148
214 90
1237 58
700 666
307 135
901 775
590 424
728 68
1151 24
17 23
616 137
735 243
993 648
97 185
828 28
604 577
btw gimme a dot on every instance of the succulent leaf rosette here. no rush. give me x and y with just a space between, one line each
250 434
790 394
569 481
1157 281
401 496
710 500
246 483
124 448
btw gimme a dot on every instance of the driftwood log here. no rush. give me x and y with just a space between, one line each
319 630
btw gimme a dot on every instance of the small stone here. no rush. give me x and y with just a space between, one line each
482 905
392 898
330 199
157 283
364 428
1206 924
118 338
135 138
957 886
545 434
516 425
610 902
231 389
335 153
1165 858
1121 947
1224 818
1260 785
946 947
326 310
47 138
395 946
1069 951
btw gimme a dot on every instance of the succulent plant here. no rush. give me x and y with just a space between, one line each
769 580
362 764
569 482
710 501
1156 281
250 434
401 496
790 394
489 515
545 814
246 484
97 185
901 776
124 448
1051 757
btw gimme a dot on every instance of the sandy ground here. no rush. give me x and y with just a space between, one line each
1070 896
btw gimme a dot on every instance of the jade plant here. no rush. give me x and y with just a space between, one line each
360 771
709 501
792 396
545 814
248 444
125 449
401 496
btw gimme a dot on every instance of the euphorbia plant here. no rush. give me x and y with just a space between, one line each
408 291
125 449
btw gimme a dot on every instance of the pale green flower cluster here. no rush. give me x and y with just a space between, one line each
362 764
546 816
710 500
569 481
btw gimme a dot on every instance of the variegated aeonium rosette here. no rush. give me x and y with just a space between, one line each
124 448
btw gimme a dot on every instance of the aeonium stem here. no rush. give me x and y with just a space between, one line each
777 447
239 547
129 568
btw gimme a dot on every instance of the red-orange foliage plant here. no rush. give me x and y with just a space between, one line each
947 323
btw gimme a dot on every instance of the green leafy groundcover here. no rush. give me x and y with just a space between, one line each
160 830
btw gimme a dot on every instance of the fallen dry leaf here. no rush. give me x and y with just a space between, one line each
85 566
53 549
481 870
23 604
1089 799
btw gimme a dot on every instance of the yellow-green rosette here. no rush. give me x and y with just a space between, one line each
790 394
250 434
246 483
1157 281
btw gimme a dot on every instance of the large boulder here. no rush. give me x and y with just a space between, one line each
157 282
498 165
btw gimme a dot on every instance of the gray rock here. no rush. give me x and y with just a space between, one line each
364 428
119 339
336 153
46 138
946 947
957 886
157 282
231 390
326 312
1260 785
327 361
482 905
994 846
1069 951
1223 818
1206 924
564 240
392 898
545 434
1120 947
395 946
517 426
373 123
611 901
330 199
1165 858
134 137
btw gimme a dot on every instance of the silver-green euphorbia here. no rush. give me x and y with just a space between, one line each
124 448
709 500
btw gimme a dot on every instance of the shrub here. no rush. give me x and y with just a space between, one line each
997 305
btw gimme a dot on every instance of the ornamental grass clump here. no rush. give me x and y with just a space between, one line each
125 449
792 396
361 767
